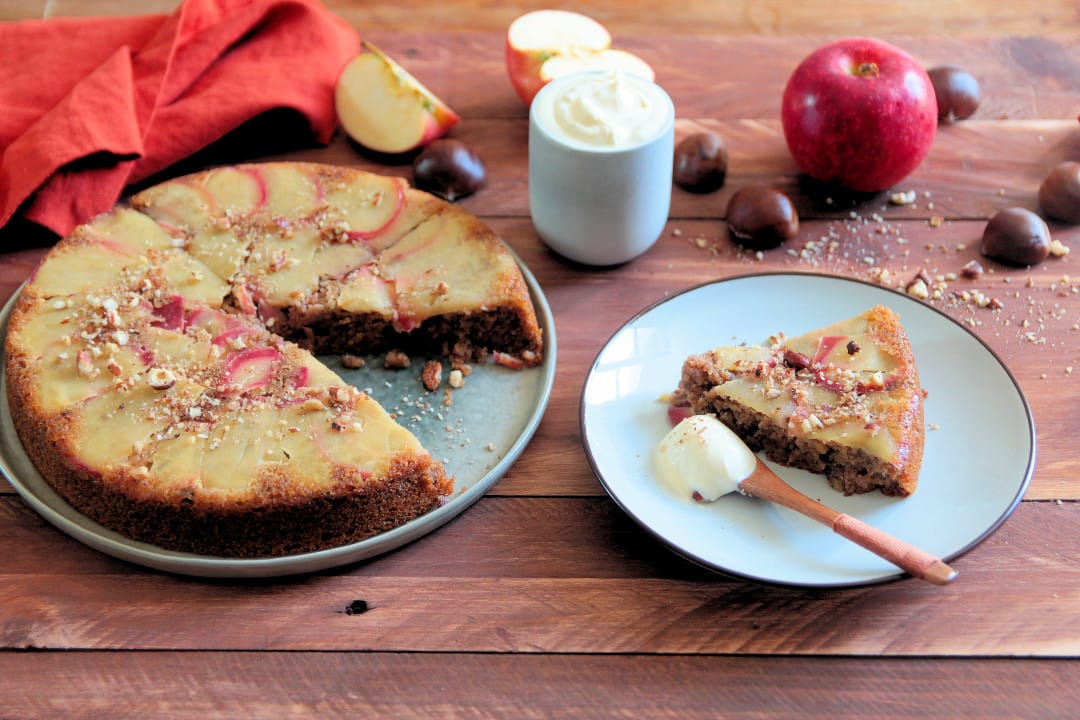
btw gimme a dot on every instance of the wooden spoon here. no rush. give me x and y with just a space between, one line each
765 484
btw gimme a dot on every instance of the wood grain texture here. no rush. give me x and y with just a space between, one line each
258 685
585 579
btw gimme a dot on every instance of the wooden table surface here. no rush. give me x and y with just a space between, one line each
544 599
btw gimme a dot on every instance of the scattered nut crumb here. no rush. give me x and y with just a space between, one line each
432 375
160 378
352 361
456 379
902 198
397 359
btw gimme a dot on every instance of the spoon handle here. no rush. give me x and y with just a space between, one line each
765 484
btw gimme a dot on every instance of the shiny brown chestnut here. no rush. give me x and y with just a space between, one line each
449 168
1016 236
701 162
760 217
957 91
1059 194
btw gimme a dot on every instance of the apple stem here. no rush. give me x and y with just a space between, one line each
867 69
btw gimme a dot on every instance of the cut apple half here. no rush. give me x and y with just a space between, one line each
616 60
546 44
384 108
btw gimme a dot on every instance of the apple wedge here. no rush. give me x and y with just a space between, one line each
384 108
546 44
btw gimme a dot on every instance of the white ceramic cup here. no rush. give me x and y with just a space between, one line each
594 204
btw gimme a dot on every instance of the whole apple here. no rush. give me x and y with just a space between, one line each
860 113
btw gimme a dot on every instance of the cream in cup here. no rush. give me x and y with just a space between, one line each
601 148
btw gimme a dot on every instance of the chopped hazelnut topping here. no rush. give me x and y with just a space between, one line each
312 404
160 378
432 375
397 359
352 362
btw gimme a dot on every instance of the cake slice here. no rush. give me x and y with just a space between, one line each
843 400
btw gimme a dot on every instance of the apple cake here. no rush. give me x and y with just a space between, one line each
159 360
842 400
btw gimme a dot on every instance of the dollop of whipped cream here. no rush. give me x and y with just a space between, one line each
703 459
608 110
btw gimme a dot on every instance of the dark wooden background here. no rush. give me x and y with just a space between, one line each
543 599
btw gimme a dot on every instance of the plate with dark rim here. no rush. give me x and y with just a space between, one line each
980 440
478 437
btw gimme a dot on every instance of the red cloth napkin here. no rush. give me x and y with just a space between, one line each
91 105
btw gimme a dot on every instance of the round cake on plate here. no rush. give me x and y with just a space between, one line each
159 361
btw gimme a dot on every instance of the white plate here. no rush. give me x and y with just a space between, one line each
491 420
980 442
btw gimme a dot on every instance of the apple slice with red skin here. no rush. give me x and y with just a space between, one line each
384 108
251 369
545 44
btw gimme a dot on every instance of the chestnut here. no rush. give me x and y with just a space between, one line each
1059 194
449 168
957 91
760 217
701 162
1016 236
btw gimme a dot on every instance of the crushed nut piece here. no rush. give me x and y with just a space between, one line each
917 288
397 359
352 362
160 378
312 404
1058 248
902 198
972 270
456 379
432 375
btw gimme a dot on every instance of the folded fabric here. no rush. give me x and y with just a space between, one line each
92 105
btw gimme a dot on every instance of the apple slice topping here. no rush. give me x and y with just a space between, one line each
393 212
250 369
384 108
170 316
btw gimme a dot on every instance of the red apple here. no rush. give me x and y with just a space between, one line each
860 113
384 108
545 44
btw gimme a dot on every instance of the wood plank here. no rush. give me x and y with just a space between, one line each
584 578
974 169
1022 77
284 685
754 17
